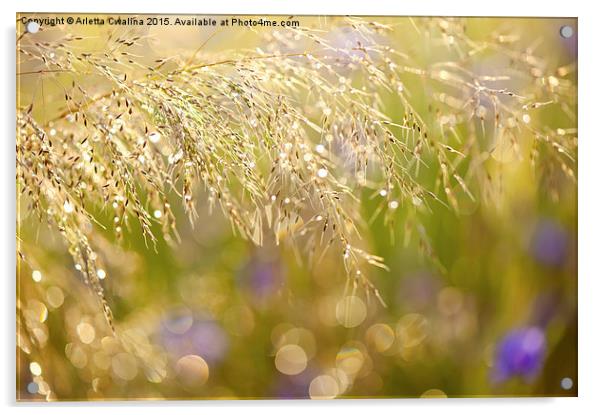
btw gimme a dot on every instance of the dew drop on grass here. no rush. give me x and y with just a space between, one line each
154 137
35 368
36 276
68 207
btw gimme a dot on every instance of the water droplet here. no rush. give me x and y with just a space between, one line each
393 204
320 148
35 368
444 75
412 329
291 359
36 276
55 297
76 355
323 387
100 273
179 320
68 207
37 310
154 137
124 366
157 214
351 311
192 371
350 360
481 112
322 173
86 332
381 336
174 158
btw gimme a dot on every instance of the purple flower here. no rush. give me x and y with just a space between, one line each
418 291
290 390
549 243
520 353
262 278
294 387
204 338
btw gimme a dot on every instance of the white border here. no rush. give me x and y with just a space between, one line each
374 8
590 183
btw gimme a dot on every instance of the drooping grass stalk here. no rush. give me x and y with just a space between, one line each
282 142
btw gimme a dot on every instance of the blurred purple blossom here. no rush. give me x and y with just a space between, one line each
294 387
549 243
419 290
520 353
263 278
204 338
